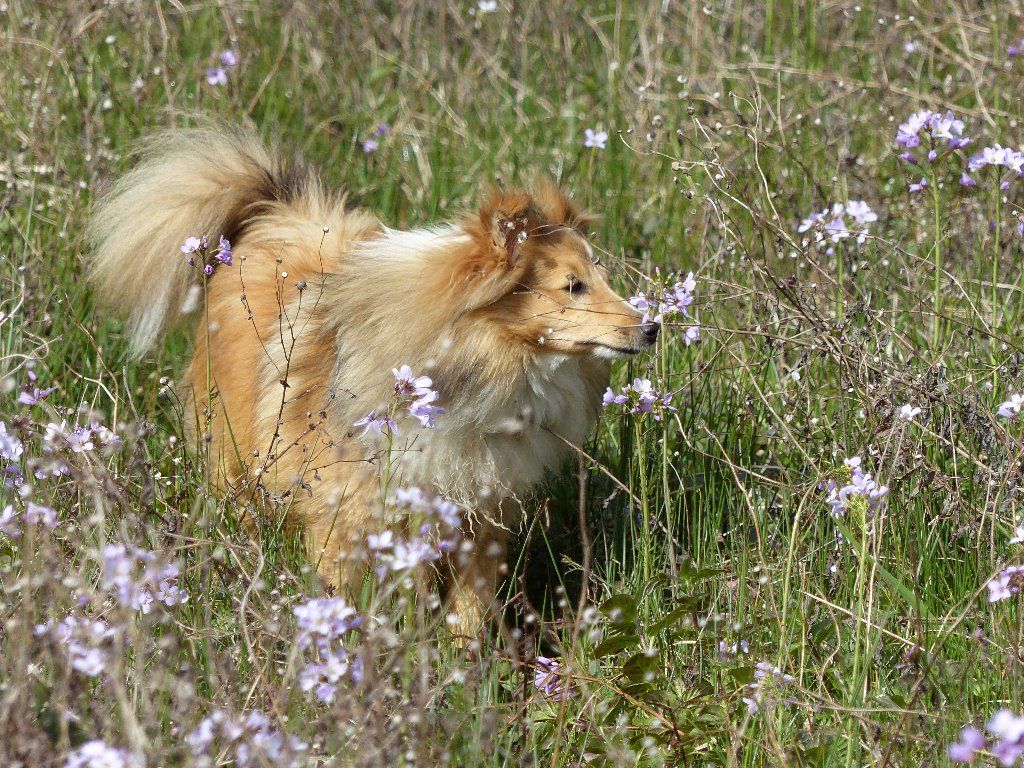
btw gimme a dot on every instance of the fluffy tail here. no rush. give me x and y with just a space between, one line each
188 182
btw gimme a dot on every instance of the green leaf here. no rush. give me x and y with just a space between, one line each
640 665
669 619
621 609
614 644
689 572
742 675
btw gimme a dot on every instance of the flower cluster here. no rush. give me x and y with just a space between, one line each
668 300
78 438
218 74
841 221
246 742
413 393
84 640
33 394
204 258
769 681
1006 741
57 439
1005 584
942 134
34 514
551 680
855 491
997 157
935 127
96 754
641 397
372 142
323 623
437 522
138 580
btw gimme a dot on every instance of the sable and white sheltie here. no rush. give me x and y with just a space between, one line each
507 310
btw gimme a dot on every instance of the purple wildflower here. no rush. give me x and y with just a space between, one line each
669 298
610 398
1010 408
36 394
372 423
1008 730
551 680
382 129
1017 49
1005 584
224 251
246 742
323 623
138 580
439 529
916 187
40 514
11 447
84 640
997 156
217 76
642 398
228 58
96 754
967 181
422 410
935 125
831 224
768 680
370 145
964 751
857 489
80 439
907 134
9 522
595 139
408 383
193 244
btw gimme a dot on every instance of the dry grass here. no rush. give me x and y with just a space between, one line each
729 123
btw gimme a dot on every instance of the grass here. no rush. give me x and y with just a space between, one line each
729 123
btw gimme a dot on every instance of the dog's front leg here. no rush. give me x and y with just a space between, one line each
479 565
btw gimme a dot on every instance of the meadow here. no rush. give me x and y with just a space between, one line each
809 556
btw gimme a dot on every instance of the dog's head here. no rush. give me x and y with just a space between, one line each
537 278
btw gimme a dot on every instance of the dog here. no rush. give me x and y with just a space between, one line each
303 328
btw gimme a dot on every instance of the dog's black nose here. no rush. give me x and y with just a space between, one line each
650 331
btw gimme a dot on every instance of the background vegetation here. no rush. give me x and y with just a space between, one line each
708 543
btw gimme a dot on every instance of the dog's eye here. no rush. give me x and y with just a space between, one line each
575 288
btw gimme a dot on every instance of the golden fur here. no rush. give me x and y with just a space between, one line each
506 310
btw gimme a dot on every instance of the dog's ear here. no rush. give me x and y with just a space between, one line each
560 208
506 220
508 234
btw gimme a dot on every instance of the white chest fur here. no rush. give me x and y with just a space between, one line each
510 442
